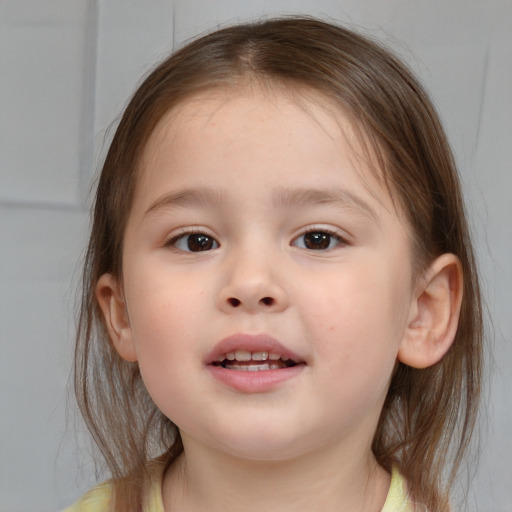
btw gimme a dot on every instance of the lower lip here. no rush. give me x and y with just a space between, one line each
254 382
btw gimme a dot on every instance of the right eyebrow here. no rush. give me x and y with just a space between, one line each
285 197
186 198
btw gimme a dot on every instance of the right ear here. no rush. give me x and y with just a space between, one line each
110 297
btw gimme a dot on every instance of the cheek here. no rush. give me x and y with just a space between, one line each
160 301
360 320
164 360
159 319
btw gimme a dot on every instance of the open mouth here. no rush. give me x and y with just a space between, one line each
245 361
253 363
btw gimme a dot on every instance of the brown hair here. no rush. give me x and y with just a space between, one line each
429 414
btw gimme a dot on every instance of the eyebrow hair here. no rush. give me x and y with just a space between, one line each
202 196
302 197
283 197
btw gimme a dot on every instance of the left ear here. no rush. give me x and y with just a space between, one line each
434 313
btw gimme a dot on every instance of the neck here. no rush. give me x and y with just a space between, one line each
206 479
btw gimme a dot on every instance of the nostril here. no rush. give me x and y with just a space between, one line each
265 301
234 302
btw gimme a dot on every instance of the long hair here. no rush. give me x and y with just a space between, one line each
429 414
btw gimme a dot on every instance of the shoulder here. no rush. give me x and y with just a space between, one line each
398 497
97 499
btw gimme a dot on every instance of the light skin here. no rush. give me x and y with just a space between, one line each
296 246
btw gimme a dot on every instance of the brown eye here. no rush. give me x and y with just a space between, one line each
195 242
317 240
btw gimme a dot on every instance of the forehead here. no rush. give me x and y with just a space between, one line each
267 122
239 105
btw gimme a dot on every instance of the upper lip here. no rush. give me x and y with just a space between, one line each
251 343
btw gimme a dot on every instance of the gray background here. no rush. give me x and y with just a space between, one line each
66 70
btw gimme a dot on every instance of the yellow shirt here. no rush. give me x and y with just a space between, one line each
98 498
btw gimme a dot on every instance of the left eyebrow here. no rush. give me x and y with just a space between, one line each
282 197
302 197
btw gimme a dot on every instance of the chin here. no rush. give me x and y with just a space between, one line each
264 446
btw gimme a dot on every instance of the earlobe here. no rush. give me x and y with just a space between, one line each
434 313
110 298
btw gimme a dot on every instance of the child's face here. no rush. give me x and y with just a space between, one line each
252 230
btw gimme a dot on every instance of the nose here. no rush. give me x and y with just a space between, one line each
253 285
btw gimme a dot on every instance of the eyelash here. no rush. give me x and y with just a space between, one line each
212 243
332 234
183 235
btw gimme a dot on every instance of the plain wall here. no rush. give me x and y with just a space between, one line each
67 68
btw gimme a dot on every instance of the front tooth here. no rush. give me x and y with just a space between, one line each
230 356
258 367
274 357
242 355
259 356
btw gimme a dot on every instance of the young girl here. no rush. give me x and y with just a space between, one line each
280 304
